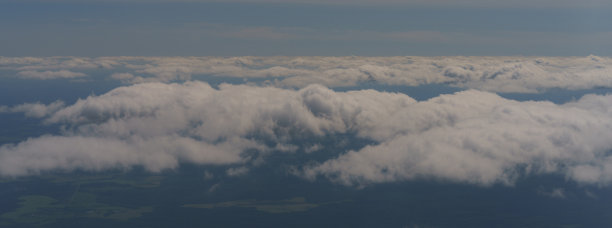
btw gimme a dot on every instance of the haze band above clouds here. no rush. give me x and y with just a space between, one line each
494 74
471 136
545 4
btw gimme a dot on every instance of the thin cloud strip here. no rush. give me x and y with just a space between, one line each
470 137
46 75
36 110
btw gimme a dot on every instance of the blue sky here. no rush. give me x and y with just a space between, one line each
259 27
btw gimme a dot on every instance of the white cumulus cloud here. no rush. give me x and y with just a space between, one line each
472 136
158 125
481 138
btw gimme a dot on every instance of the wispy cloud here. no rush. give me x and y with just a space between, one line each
36 110
49 74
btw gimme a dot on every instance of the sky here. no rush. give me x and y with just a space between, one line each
338 28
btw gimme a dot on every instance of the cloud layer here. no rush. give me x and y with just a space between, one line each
472 136
495 74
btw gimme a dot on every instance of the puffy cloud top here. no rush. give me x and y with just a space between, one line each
471 136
